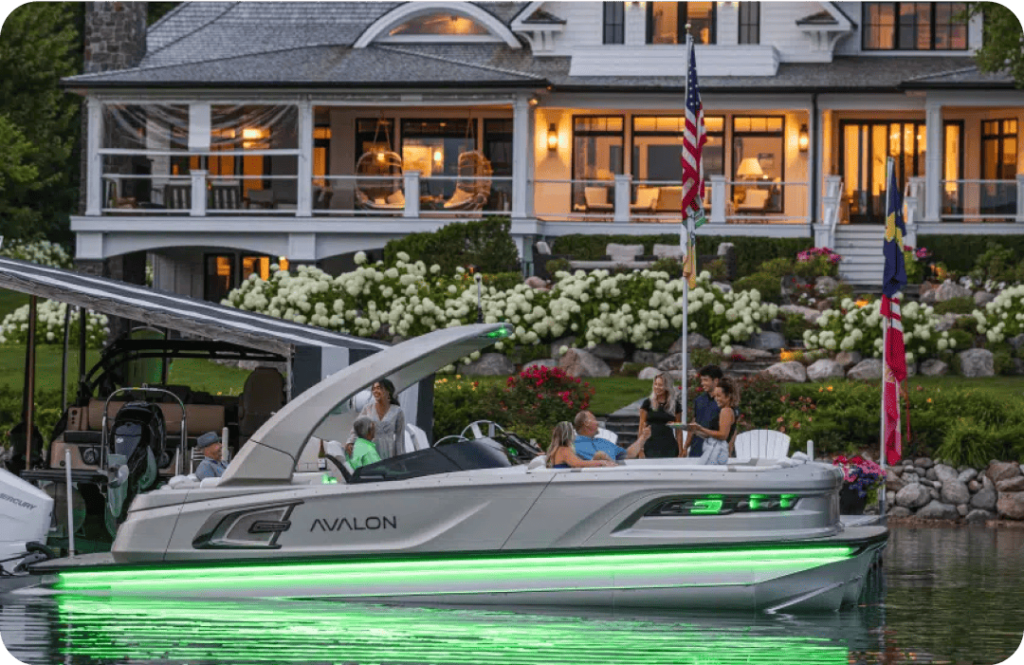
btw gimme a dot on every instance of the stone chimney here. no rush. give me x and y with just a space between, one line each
115 35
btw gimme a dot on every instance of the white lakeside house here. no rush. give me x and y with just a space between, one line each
250 132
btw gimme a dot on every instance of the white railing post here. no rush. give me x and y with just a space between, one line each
915 190
718 199
825 233
933 162
304 186
1020 197
94 167
198 193
412 194
623 185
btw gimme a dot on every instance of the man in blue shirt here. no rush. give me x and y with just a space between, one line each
705 408
588 444
211 466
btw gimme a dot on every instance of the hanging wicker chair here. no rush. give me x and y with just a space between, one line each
379 184
473 186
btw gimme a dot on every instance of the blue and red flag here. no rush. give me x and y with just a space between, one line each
894 279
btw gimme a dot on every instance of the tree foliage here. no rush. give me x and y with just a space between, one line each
1002 46
39 123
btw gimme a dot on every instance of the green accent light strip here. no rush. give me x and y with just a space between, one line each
328 479
706 507
534 571
262 632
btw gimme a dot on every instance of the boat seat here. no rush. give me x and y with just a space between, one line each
206 483
415 438
262 395
182 481
608 435
538 462
201 418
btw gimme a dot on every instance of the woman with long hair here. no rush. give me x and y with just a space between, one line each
388 420
658 410
719 436
562 451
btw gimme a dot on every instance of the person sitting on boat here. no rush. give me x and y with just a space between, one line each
362 451
588 443
657 411
718 438
705 408
562 452
388 419
212 466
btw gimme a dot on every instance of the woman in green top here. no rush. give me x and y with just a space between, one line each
362 451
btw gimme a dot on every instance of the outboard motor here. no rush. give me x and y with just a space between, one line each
24 521
135 445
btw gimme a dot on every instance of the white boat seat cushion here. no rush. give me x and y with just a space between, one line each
537 462
762 444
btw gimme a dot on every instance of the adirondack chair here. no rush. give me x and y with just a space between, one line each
762 444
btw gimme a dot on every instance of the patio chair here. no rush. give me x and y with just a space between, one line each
762 444
597 199
394 202
178 197
225 197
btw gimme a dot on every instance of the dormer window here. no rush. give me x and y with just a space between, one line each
444 23
666 22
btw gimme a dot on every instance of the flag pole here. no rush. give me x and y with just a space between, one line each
684 240
890 165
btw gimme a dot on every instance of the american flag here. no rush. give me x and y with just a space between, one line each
694 138
894 280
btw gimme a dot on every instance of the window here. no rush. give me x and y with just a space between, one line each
999 163
498 148
914 26
714 149
220 276
439 24
596 160
666 22
758 163
864 147
432 147
750 23
614 22
373 136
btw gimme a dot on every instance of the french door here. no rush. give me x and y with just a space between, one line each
864 146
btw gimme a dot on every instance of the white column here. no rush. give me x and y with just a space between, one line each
304 207
1020 197
412 194
718 199
623 183
933 161
522 157
198 193
94 164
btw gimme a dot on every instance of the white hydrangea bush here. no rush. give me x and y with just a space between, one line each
43 252
408 299
856 328
1003 317
50 326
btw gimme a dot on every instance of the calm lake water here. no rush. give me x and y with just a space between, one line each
945 595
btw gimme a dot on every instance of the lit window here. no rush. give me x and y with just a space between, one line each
439 24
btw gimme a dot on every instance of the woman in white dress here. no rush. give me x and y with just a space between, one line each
388 418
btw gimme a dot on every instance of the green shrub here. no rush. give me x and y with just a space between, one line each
555 265
960 253
458 401
794 325
673 267
779 267
960 305
631 369
995 263
769 286
703 357
1002 361
718 269
967 441
486 244
960 340
47 413
759 401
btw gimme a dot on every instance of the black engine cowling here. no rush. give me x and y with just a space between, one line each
138 429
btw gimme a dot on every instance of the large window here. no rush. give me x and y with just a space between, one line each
596 160
614 22
865 147
758 163
999 162
750 22
444 23
914 26
432 147
498 148
666 22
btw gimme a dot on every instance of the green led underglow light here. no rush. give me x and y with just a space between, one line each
788 500
479 574
500 332
706 507
328 479
140 630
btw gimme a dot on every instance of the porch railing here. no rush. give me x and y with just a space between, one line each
411 195
623 200
982 200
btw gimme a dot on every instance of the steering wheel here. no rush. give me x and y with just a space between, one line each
474 428
451 438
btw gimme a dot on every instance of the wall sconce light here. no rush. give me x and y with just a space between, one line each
804 139
552 137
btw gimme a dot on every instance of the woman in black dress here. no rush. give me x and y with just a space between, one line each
658 410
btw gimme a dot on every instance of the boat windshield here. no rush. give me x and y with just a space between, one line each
458 456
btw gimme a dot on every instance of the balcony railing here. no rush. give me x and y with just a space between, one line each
624 200
411 195
983 200
199 194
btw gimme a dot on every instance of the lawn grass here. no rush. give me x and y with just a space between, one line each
10 301
199 374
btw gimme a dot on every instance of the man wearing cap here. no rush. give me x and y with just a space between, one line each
211 466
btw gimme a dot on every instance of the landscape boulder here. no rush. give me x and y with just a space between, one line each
985 499
766 340
976 362
580 363
648 357
648 373
535 282
866 370
949 290
913 496
954 492
937 510
810 315
934 367
1016 341
788 372
825 285
824 369
997 471
983 297
979 516
490 364
557 345
1011 505
1015 484
607 351
693 341
899 511
944 472
550 363
848 359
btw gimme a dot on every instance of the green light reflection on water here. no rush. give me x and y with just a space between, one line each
254 631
